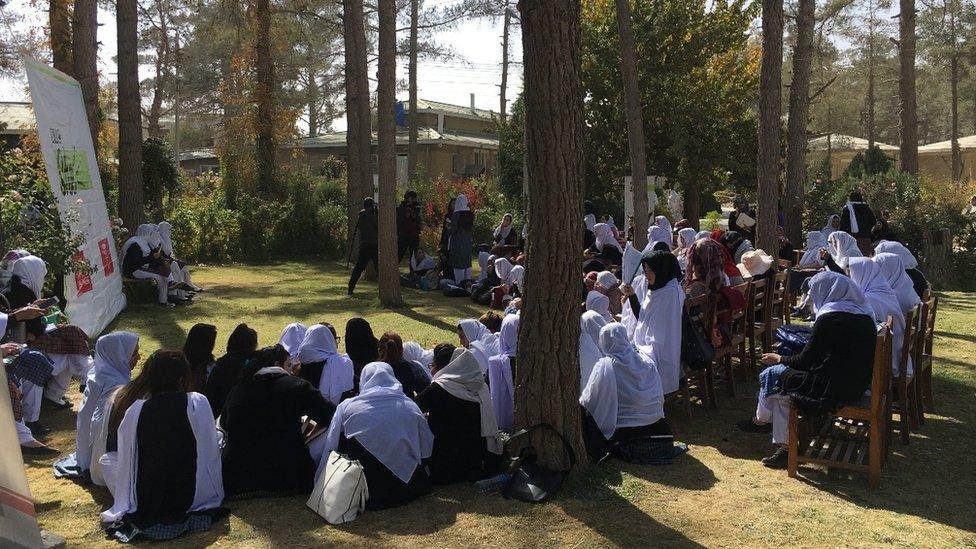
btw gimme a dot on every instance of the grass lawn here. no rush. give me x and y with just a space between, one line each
716 495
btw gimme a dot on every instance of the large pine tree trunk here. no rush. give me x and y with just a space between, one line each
796 132
908 133
84 58
131 204
412 149
770 106
59 23
264 92
635 123
358 134
389 274
547 375
162 59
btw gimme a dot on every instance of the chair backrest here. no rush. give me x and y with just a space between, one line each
702 308
738 327
777 301
881 373
909 340
756 308
928 327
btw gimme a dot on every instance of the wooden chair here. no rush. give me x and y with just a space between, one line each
739 330
856 436
756 321
923 356
903 385
702 309
778 311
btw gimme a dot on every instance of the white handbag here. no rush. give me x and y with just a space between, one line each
340 492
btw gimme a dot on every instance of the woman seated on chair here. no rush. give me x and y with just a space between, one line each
686 239
833 369
265 451
652 315
893 270
810 259
387 433
841 247
623 405
168 479
910 262
460 415
226 373
883 301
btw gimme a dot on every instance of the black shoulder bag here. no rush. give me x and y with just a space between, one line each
697 351
530 481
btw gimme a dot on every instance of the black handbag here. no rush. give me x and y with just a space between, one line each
697 351
531 482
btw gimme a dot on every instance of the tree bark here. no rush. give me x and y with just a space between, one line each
503 87
161 66
358 133
908 114
871 73
131 203
312 99
635 123
770 107
954 101
389 275
548 374
796 134
59 22
84 56
692 201
264 92
412 149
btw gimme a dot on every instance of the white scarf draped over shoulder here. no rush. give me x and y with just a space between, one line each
811 254
31 270
604 237
589 349
337 374
843 246
658 331
209 487
893 270
883 301
384 421
292 337
463 379
500 373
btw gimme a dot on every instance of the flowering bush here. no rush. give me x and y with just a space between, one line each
485 199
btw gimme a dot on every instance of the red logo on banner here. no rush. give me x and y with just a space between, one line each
108 266
83 282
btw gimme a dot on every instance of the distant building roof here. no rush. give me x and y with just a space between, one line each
198 154
846 142
425 136
968 142
425 105
16 117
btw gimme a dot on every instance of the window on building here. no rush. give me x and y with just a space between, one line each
457 164
479 158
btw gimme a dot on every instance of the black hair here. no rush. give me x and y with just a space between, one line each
410 194
856 196
661 247
274 355
199 345
35 327
242 340
442 354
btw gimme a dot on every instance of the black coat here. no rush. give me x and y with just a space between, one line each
459 449
865 220
265 449
226 374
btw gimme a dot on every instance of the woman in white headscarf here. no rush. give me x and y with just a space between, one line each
292 337
833 369
179 270
624 404
656 235
26 282
686 239
115 356
608 285
883 301
462 223
841 248
656 316
517 277
413 352
599 303
139 255
505 234
816 241
589 348
474 336
501 373
323 366
460 415
909 261
893 271
605 240
664 223
832 225
389 436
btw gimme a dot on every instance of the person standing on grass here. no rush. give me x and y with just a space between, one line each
408 225
367 227
462 223
858 219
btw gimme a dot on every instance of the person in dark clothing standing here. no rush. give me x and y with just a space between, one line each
408 225
226 373
265 452
410 374
367 227
858 219
743 218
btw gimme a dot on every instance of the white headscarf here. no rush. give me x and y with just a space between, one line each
604 237
412 351
483 259
899 249
702 235
589 350
658 331
624 389
461 203
150 232
31 270
829 228
893 270
481 341
811 255
833 292
842 247
686 237
662 221
426 262
883 301
590 221
319 345
592 322
516 276
500 373
389 425
292 337
655 234
166 237
501 231
503 268
607 280
463 378
600 303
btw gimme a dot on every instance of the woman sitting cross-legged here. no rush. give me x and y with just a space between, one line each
834 368
323 366
460 415
169 480
265 451
387 433
226 373
623 405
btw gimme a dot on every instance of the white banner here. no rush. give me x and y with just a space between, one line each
69 156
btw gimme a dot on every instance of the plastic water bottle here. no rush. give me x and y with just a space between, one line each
493 484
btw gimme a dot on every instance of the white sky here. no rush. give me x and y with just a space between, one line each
478 71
